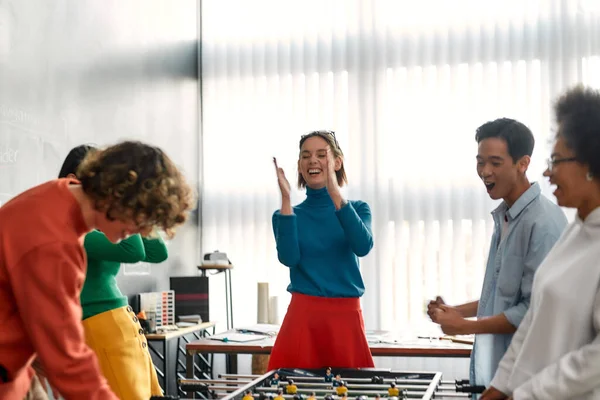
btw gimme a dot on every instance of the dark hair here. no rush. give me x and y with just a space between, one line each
329 137
138 181
519 139
74 160
577 114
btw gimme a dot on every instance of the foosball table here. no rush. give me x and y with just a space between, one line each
321 384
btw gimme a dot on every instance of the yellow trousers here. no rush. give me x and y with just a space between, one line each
119 342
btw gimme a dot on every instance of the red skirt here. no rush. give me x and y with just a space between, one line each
320 332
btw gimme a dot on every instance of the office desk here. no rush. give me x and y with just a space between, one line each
402 348
155 340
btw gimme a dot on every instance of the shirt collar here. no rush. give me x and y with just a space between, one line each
593 218
522 202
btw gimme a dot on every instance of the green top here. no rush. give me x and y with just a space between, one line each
100 292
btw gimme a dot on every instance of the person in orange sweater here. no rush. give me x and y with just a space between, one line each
122 190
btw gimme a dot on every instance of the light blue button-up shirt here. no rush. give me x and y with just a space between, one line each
534 224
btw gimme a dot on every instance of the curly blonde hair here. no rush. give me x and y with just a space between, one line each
134 181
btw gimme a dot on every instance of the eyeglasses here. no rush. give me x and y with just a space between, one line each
553 162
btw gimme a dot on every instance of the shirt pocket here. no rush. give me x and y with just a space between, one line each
510 276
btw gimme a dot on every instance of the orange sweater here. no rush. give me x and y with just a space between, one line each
42 270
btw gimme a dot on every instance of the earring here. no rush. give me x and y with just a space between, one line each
589 177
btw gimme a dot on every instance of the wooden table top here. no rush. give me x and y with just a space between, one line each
401 348
180 332
219 267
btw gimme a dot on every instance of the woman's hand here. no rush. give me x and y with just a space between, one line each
331 182
492 393
284 188
284 185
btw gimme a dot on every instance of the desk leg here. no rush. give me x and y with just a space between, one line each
231 363
230 299
166 367
162 357
189 364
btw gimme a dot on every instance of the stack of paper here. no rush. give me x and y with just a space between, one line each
237 337
261 329
195 318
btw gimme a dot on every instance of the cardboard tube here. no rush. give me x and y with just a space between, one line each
274 310
263 303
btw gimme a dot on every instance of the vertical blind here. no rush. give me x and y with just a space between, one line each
404 84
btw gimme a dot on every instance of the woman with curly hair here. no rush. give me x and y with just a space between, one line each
555 353
106 312
126 189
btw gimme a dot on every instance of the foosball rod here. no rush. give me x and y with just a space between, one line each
211 382
442 395
351 394
289 396
335 396
303 385
226 376
218 381
458 382
360 380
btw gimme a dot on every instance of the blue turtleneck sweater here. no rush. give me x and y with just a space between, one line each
321 245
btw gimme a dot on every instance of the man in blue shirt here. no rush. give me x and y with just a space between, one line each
526 226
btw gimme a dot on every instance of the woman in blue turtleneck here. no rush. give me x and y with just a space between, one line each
320 241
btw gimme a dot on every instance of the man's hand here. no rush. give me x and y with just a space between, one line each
451 320
492 393
433 306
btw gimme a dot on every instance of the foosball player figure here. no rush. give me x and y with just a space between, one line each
328 397
342 389
279 395
298 397
377 397
291 388
248 395
393 391
275 379
328 375
313 396
344 396
337 381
